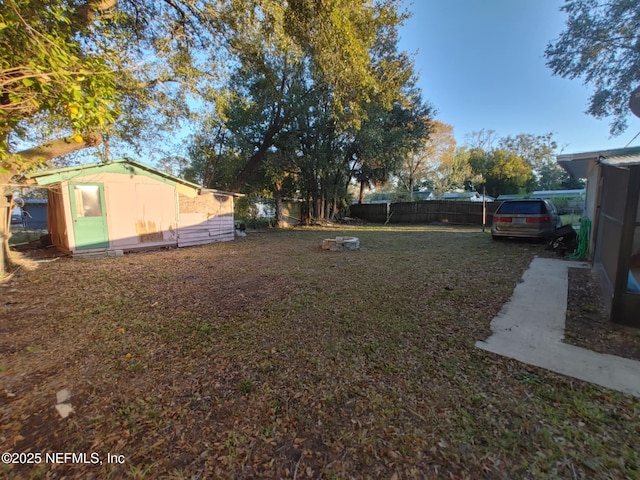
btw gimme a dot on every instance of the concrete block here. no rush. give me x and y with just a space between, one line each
341 243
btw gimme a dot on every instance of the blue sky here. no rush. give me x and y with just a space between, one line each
481 65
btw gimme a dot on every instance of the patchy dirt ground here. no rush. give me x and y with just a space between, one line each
587 324
270 358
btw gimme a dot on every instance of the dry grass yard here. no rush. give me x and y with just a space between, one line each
268 357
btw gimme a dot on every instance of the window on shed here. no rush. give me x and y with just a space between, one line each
87 198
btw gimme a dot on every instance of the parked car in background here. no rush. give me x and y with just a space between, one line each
531 218
16 217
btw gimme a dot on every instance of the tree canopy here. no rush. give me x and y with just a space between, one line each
433 163
501 171
287 124
123 66
515 163
540 153
45 72
601 45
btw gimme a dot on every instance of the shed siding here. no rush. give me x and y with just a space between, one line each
56 221
141 211
591 205
68 221
204 219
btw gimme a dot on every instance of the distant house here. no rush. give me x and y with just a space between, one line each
423 195
30 213
466 197
290 215
265 208
379 197
34 213
613 213
126 205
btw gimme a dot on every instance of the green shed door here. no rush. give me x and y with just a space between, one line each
89 215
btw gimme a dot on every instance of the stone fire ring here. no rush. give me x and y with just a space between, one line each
341 243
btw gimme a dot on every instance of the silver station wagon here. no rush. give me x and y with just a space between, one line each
525 219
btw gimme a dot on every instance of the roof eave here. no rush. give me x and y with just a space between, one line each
579 165
221 192
34 177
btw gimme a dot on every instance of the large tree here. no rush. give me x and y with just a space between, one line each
47 74
291 118
601 45
455 172
540 151
428 164
501 171
321 162
76 62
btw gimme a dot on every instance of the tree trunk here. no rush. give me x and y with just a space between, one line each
322 214
333 207
361 195
306 208
258 157
335 189
410 187
25 160
277 197
5 232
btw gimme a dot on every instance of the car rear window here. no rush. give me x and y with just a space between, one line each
523 208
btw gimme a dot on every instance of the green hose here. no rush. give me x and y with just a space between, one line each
582 250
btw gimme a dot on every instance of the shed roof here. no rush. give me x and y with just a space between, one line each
124 165
466 195
580 164
449 195
220 192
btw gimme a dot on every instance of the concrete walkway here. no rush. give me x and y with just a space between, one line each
530 328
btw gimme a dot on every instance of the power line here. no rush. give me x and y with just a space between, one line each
632 140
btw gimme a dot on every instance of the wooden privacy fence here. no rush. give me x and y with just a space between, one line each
444 211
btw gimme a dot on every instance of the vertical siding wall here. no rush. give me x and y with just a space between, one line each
610 228
446 211
141 211
56 219
204 219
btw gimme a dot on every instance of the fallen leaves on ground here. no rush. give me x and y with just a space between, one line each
588 323
270 358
